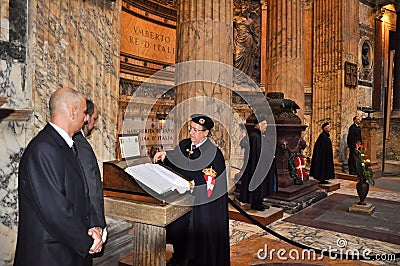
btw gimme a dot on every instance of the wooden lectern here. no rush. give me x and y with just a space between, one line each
126 199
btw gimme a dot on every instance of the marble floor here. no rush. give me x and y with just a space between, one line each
249 242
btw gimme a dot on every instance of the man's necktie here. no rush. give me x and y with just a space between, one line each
74 149
193 147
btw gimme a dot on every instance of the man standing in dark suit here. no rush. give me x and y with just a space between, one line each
259 167
57 223
88 160
353 137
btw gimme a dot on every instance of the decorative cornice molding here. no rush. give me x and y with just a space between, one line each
368 3
379 12
158 8
382 3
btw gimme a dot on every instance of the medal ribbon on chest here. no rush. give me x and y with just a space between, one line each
209 176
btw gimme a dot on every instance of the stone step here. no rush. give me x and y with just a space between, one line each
294 192
299 203
119 243
128 260
265 217
392 166
330 187
346 176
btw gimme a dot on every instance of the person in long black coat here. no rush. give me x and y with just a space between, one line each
200 237
257 141
88 159
322 167
353 137
57 224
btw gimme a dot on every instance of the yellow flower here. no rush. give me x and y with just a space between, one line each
364 172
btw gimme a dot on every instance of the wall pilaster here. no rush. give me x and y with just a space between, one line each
204 32
335 42
285 54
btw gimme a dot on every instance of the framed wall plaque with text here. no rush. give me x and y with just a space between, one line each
128 146
350 74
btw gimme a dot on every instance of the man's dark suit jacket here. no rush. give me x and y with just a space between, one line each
354 136
54 208
92 173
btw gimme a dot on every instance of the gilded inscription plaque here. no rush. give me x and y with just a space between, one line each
147 40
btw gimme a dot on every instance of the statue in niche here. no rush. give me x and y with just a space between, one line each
245 42
365 55
365 70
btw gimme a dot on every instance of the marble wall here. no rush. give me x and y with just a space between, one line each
12 133
61 44
4 20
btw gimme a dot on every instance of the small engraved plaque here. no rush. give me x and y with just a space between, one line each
350 75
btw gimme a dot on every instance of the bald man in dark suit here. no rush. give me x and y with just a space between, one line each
57 223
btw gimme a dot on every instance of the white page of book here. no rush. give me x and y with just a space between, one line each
158 178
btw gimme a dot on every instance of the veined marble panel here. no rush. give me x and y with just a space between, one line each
4 20
12 31
12 143
12 139
12 84
364 97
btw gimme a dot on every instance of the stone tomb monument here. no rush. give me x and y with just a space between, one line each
289 196
288 132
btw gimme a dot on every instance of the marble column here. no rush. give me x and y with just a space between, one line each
285 54
204 32
396 82
378 57
264 34
335 41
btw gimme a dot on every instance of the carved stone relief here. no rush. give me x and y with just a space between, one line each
246 39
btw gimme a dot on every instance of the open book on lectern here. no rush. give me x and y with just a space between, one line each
158 178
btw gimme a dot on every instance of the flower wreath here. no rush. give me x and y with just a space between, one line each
297 168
